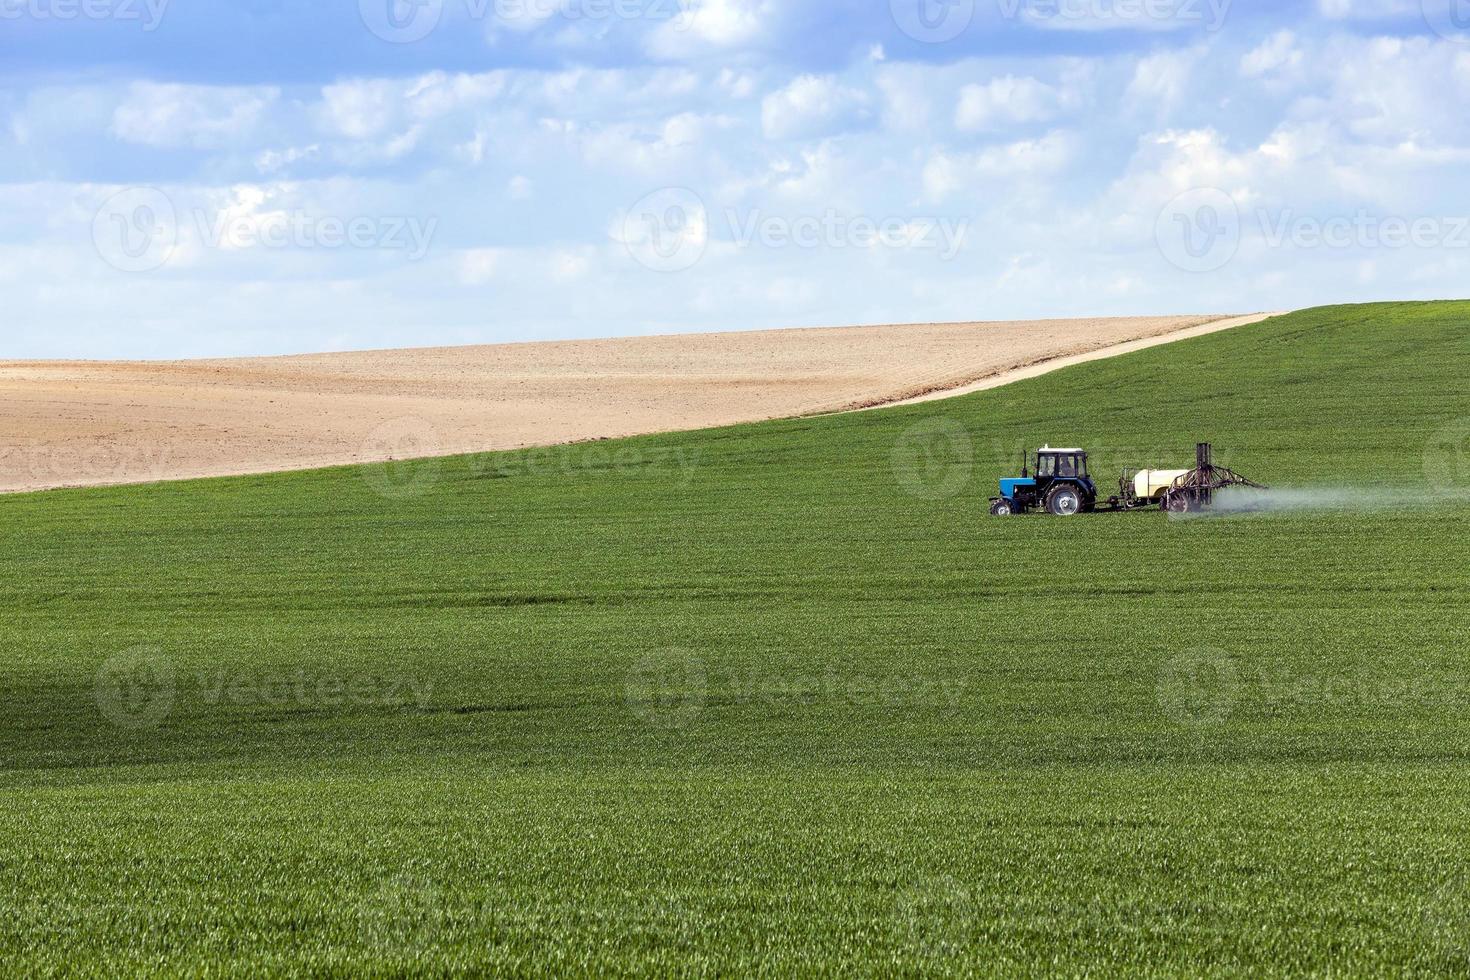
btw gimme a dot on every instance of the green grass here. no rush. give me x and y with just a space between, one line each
775 698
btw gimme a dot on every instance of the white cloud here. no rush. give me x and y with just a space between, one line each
737 84
478 266
1393 90
685 129
1044 156
268 161
712 25
567 264
945 173
1005 100
204 117
812 106
907 103
362 109
654 147
524 168
1276 54
1160 80
1175 161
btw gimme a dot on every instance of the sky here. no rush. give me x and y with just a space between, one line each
184 178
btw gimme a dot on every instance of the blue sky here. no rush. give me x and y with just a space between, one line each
193 177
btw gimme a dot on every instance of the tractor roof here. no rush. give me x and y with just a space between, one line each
1052 449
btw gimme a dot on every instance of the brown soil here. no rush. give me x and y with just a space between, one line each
74 423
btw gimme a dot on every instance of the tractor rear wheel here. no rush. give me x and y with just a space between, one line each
1179 502
1063 502
1000 508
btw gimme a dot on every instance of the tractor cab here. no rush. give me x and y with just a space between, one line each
1060 485
1068 464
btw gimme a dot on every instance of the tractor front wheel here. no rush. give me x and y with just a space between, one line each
1063 502
1001 508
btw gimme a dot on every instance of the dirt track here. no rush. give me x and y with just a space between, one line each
77 423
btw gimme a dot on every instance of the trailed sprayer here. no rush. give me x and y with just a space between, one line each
1062 486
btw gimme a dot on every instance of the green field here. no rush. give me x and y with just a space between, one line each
773 699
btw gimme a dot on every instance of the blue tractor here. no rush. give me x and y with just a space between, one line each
1061 486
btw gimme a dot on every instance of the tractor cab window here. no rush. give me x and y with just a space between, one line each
1046 465
1067 466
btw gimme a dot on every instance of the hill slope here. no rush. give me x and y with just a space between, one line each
773 697
93 423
